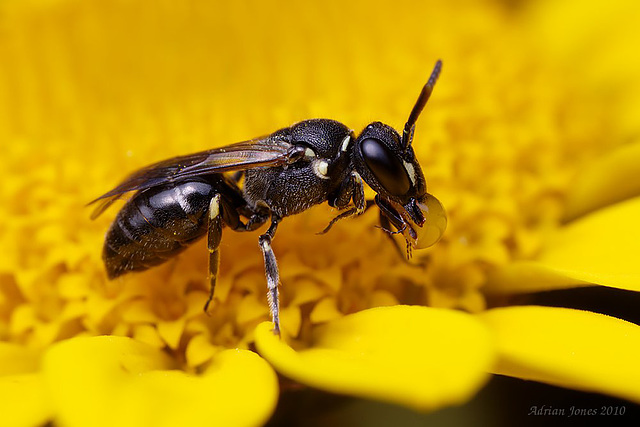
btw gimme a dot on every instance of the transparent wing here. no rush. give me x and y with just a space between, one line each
256 153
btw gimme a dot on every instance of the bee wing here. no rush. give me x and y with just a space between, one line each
256 153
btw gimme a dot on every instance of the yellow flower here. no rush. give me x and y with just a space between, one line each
530 140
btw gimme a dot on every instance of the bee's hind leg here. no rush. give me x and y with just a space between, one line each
214 235
223 212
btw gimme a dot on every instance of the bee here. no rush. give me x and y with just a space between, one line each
179 200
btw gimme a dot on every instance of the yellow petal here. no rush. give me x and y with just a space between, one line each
291 318
382 298
610 179
326 309
239 389
251 308
24 401
420 357
85 375
171 331
107 381
199 350
148 334
305 291
139 311
569 348
23 396
601 248
16 359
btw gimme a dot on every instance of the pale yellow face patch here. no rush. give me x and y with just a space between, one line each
411 171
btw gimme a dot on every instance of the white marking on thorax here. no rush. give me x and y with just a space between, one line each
309 153
411 171
321 168
345 143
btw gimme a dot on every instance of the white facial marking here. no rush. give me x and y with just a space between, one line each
410 171
345 143
214 207
320 168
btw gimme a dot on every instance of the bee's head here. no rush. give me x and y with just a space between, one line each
387 163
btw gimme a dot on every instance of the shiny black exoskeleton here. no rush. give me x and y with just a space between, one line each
179 200
161 222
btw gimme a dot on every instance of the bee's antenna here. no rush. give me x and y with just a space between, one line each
410 126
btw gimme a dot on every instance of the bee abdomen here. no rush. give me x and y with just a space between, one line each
155 225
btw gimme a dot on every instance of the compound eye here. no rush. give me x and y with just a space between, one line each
385 166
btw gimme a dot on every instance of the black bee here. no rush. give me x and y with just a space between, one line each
177 201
